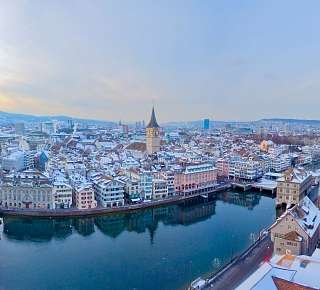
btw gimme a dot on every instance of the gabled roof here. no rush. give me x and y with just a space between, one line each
153 121
306 215
295 175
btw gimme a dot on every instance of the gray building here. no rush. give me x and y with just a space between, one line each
28 189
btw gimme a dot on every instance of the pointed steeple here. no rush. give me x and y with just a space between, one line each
153 121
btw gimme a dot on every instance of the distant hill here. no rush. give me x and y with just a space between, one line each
6 118
292 121
217 123
213 123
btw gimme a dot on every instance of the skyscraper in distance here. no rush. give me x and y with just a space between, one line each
206 124
19 128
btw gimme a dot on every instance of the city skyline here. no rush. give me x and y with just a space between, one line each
113 61
21 117
159 144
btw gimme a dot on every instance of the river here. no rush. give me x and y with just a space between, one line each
161 248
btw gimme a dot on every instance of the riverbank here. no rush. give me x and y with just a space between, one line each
235 272
74 212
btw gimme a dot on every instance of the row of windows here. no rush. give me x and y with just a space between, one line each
64 195
111 199
20 205
35 197
64 190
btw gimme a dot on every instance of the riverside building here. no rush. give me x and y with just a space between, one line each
28 189
293 186
84 196
62 193
195 178
109 192
297 231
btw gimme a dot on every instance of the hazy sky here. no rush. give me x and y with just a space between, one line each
111 60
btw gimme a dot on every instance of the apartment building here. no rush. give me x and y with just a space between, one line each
194 178
109 192
168 176
62 193
132 189
83 196
146 184
159 189
222 167
244 169
280 163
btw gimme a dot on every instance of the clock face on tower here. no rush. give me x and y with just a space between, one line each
152 132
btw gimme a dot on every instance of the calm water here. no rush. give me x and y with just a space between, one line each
161 248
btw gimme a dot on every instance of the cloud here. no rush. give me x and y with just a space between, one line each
30 104
126 89
193 62
107 97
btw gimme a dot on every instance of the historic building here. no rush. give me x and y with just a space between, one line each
195 179
27 189
153 135
293 186
297 231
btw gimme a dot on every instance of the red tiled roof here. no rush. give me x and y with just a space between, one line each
282 284
293 236
139 146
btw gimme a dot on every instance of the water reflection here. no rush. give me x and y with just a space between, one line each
185 213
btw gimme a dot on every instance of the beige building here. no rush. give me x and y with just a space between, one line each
132 189
153 135
159 189
62 193
297 231
265 145
293 186
28 189
84 196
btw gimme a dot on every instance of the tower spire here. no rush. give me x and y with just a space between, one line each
153 121
153 135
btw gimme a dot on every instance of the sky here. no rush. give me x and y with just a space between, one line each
113 60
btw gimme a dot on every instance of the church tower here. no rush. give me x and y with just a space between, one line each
153 134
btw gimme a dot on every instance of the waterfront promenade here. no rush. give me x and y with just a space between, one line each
241 267
102 210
